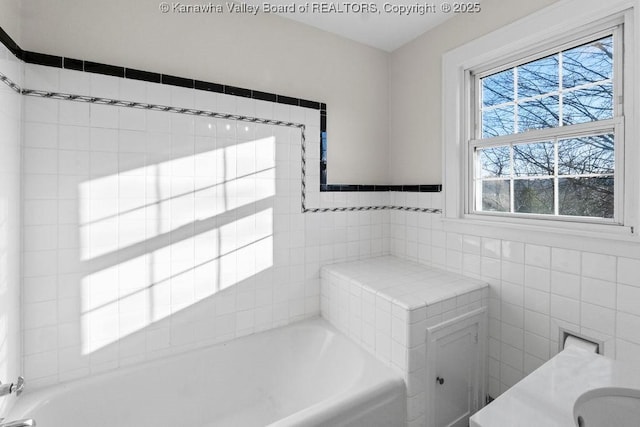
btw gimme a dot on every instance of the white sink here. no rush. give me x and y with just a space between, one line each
613 406
575 383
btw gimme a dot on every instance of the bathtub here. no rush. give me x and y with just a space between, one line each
304 374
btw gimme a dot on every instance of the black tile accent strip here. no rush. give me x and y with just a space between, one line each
264 96
309 104
210 87
42 59
287 100
435 188
106 69
10 44
178 81
129 73
73 64
237 91
145 76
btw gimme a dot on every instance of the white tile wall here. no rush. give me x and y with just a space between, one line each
149 233
10 118
386 305
88 169
534 290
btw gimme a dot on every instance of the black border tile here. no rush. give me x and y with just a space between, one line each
432 188
208 86
106 69
145 76
265 96
237 91
10 44
177 81
309 104
73 64
287 100
42 59
429 188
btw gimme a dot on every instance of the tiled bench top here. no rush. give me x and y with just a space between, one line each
402 282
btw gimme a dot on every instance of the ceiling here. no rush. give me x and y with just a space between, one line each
385 29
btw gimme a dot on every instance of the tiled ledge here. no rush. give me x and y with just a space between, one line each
386 305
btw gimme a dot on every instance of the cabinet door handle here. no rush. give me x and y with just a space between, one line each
440 380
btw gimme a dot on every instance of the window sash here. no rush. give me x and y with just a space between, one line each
613 125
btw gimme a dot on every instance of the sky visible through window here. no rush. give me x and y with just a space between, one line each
564 175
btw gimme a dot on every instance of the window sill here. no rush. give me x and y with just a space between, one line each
603 238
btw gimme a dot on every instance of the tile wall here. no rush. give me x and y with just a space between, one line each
534 290
148 233
10 116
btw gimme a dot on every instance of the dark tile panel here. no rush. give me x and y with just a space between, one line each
433 188
145 76
42 59
6 40
106 69
264 96
237 91
309 104
73 64
177 81
365 187
287 100
210 87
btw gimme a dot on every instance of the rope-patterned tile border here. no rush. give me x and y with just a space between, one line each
213 114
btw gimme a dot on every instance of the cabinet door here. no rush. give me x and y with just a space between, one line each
455 369
456 365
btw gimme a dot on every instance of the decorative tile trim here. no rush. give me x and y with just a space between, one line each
432 188
147 76
237 117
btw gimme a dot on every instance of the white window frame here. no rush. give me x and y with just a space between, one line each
614 125
564 23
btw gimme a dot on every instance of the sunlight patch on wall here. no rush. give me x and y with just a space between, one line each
159 239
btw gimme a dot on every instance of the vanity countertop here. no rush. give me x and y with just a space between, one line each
546 397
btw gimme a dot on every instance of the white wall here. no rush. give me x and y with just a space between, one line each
10 19
263 52
535 288
415 95
10 116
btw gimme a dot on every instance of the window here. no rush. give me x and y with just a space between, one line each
547 133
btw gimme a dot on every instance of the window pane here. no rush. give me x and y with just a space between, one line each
495 196
538 77
494 162
592 62
586 197
497 88
533 159
588 105
586 155
497 121
538 114
533 196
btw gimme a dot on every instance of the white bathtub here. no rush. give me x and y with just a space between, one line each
305 374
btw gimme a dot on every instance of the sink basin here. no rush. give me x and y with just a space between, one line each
608 406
